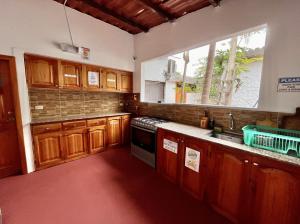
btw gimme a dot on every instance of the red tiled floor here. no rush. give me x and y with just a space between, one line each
111 187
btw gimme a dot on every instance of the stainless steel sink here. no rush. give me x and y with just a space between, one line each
232 137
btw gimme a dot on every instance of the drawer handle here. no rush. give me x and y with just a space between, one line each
255 164
246 161
47 129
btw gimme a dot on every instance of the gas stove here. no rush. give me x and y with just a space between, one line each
147 122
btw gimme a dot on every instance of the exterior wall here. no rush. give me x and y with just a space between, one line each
201 27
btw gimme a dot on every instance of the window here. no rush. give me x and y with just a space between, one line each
225 73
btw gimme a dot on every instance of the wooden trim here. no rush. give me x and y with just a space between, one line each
15 92
163 13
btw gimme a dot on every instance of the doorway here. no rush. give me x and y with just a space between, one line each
12 154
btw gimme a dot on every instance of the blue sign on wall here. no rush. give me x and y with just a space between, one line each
289 84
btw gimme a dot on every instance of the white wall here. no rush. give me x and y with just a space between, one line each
282 51
35 26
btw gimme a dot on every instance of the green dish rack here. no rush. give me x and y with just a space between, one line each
274 139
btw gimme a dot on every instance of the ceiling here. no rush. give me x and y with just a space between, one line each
136 16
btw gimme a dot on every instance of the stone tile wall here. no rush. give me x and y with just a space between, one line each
189 114
63 103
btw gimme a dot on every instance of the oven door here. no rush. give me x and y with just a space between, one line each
143 138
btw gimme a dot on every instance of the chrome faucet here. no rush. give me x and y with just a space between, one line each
231 121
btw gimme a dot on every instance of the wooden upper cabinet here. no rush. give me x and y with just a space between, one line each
48 149
125 82
70 75
92 78
275 193
194 174
41 72
114 131
110 79
169 155
229 179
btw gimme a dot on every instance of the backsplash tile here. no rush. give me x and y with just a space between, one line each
189 114
63 103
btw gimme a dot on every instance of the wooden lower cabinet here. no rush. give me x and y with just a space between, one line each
168 161
75 143
48 149
114 131
228 182
97 138
275 193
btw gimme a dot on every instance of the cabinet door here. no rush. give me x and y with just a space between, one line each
126 130
125 80
70 75
169 155
41 72
97 139
75 143
275 193
228 182
110 79
114 129
92 78
48 149
194 166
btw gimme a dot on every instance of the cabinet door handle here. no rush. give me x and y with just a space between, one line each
255 164
246 161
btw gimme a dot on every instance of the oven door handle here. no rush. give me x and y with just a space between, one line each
144 129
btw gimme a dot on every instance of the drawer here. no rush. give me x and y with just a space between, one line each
44 128
73 124
96 122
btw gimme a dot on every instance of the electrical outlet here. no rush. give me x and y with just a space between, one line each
39 107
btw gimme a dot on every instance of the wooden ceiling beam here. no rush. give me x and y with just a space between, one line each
109 12
163 13
215 3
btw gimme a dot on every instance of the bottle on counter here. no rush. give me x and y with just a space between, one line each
211 123
204 121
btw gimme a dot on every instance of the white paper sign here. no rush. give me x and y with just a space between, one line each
93 78
192 159
170 146
70 76
289 84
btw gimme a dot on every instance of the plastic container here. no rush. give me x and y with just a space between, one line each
274 139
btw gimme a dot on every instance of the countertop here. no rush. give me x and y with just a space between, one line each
205 135
77 117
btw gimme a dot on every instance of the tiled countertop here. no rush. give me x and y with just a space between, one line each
77 117
205 135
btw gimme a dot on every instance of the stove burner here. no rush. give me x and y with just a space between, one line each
147 122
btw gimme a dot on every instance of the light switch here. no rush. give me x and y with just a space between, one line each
39 107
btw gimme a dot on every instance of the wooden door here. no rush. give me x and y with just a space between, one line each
41 72
228 183
114 130
125 80
275 193
97 139
169 155
111 79
10 162
92 78
75 143
70 75
48 149
193 172
126 130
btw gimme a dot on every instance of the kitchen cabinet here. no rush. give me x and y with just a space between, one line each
125 82
48 149
97 138
41 72
275 193
193 177
228 182
75 143
114 131
70 75
92 78
169 155
126 130
110 79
